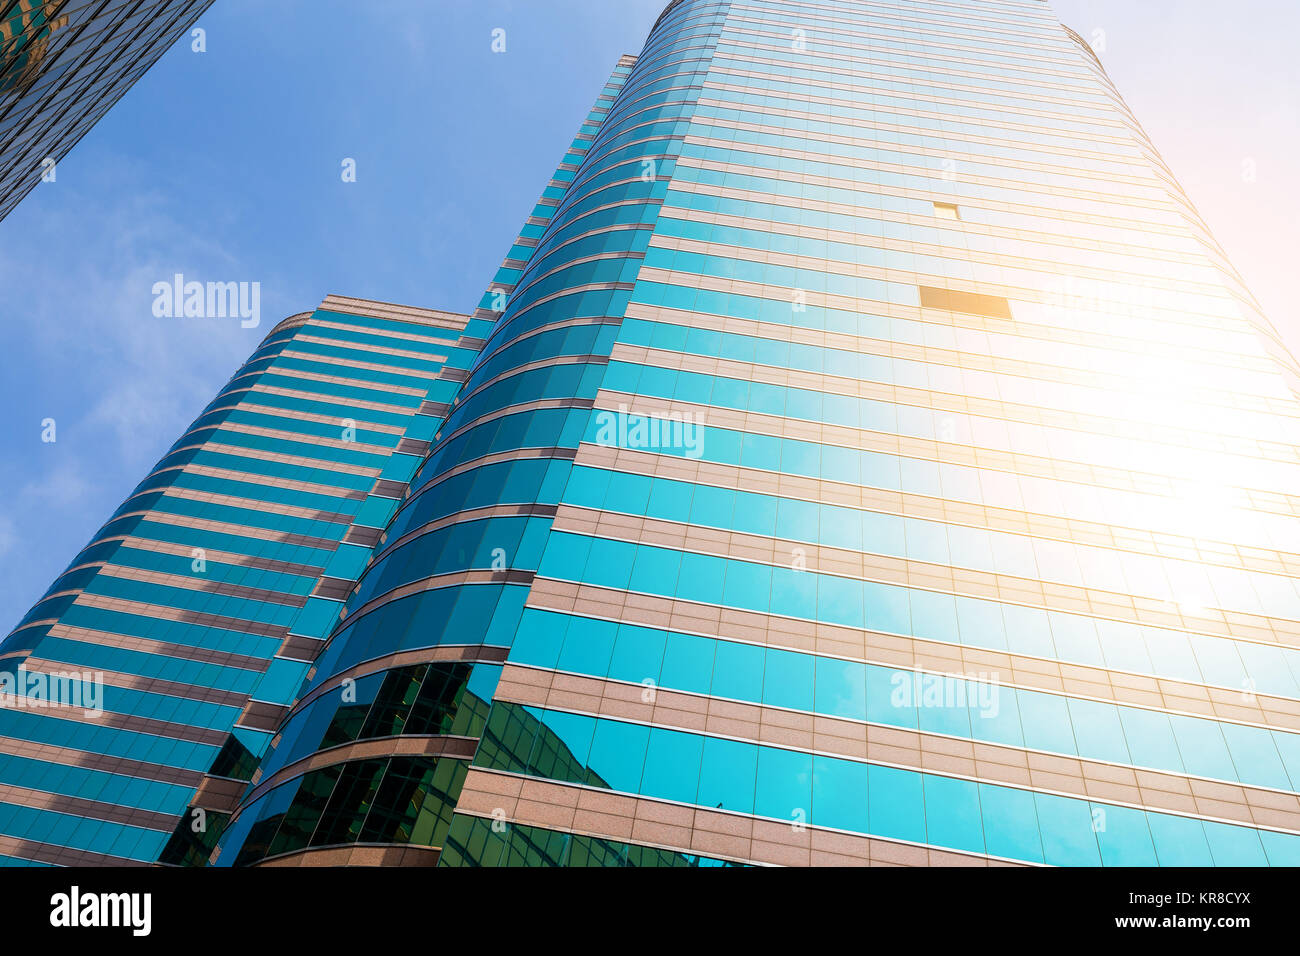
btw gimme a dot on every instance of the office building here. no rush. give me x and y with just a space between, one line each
63 64
864 455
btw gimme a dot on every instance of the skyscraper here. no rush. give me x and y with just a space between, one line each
63 63
865 454
190 618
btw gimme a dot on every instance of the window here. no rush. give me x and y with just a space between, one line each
971 303
946 210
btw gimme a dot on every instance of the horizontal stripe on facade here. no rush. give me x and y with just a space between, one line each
1038 156
271 376
300 648
977 25
89 809
657 148
444 653
105 763
1034 86
373 348
529 279
913 653
754 34
841 64
361 384
434 583
940 402
568 291
963 75
349 362
685 829
1050 268
236 530
981 23
660 148
393 312
366 854
880 274
217 556
505 411
462 517
1032 199
1021 186
146 645
295 461
458 748
981 202
918 575
130 723
929 355
735 66
199 583
907 749
1065 243
356 406
256 504
1020 464
948 511
499 345
295 415
148 685
187 615
260 480
462 467
1025 12
285 325
556 361
119 568
609 228
933 355
56 855
413 334
1194 436
299 437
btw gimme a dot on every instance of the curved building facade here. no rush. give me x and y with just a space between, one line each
876 460
453 570
864 455
185 627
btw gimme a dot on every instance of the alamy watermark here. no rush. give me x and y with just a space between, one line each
76 909
36 690
975 691
683 431
208 300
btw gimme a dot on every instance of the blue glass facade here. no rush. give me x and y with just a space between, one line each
864 455
451 573
919 518
197 609
63 64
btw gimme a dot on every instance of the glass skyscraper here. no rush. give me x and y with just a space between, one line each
200 604
865 454
63 63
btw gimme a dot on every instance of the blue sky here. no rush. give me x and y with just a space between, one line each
225 166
